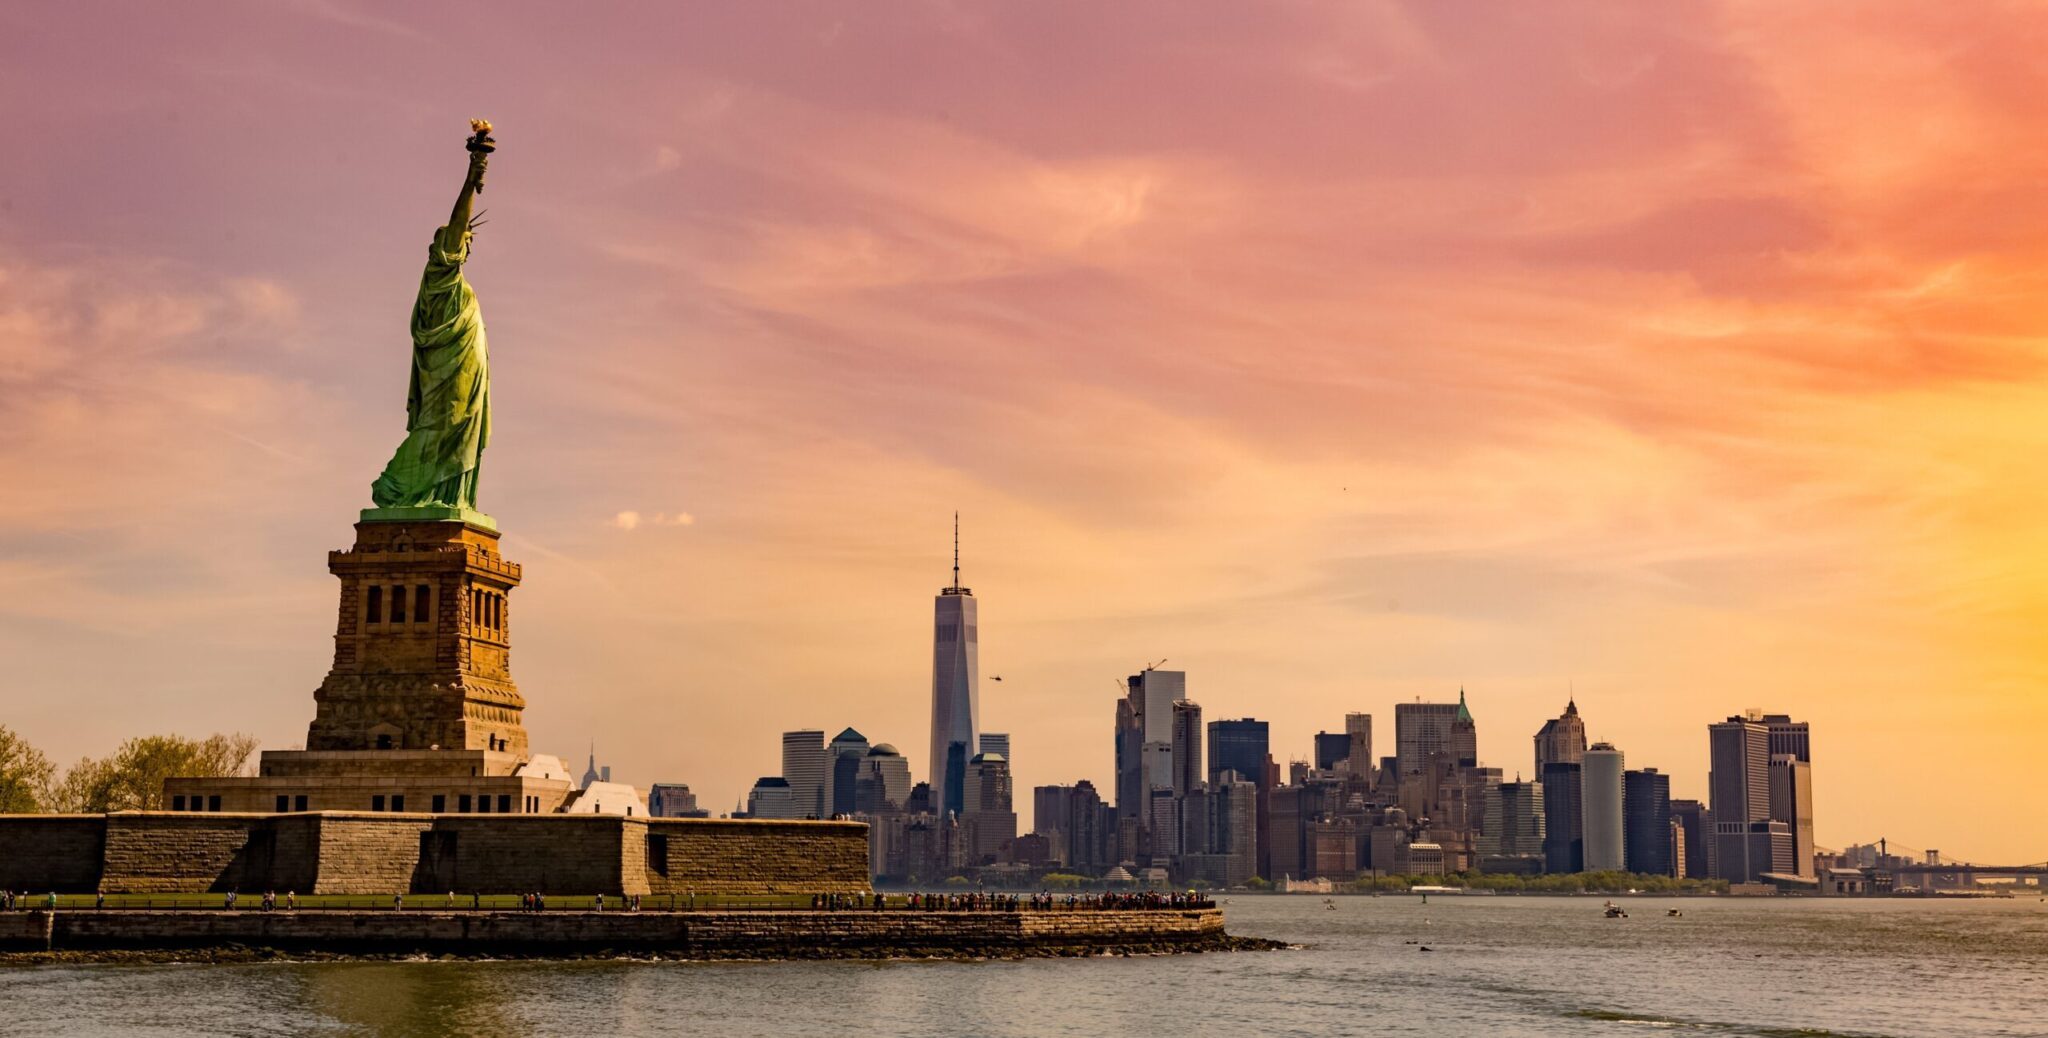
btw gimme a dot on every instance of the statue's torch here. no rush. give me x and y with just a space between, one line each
480 146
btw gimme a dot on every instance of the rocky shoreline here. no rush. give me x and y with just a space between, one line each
239 955
41 938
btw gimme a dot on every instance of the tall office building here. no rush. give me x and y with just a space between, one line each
1422 729
1358 748
1646 810
1187 748
1792 795
1792 804
1690 818
1600 797
803 766
1144 745
988 820
1094 843
770 798
844 760
1789 737
997 742
1564 839
1218 835
956 686
1130 756
1562 739
673 800
1512 828
1163 827
1052 816
1739 795
1332 748
1240 747
1077 826
884 783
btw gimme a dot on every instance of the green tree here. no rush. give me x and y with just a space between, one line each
132 779
25 775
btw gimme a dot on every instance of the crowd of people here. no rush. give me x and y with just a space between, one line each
990 901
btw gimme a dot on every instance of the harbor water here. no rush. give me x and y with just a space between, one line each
1455 965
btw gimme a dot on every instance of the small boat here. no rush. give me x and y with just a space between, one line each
1614 911
1673 913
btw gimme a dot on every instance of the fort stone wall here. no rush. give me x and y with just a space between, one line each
52 852
724 856
371 853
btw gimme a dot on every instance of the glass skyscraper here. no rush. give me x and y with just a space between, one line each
956 694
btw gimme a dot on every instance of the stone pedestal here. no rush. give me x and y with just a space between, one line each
422 645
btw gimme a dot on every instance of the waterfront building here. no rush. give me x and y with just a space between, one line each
845 757
1285 833
1564 842
1739 795
1333 848
1646 812
1562 739
1187 748
1332 749
956 686
1219 833
803 766
1792 804
1600 798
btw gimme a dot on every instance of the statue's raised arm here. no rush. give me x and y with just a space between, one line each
433 475
480 147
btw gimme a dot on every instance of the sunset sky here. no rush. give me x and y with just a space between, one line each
1689 357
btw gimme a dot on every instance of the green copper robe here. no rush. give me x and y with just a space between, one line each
448 405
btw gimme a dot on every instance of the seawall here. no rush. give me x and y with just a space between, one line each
854 933
335 852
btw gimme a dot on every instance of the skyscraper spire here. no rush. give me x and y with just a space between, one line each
956 547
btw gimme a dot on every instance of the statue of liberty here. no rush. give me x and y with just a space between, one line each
433 474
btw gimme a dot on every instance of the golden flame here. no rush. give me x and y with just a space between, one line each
480 125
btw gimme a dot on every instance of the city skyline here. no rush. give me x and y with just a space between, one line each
1683 360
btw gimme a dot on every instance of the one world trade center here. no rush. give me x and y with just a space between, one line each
955 690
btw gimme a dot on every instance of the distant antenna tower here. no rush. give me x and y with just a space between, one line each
956 589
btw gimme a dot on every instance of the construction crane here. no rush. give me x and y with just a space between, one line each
1153 666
